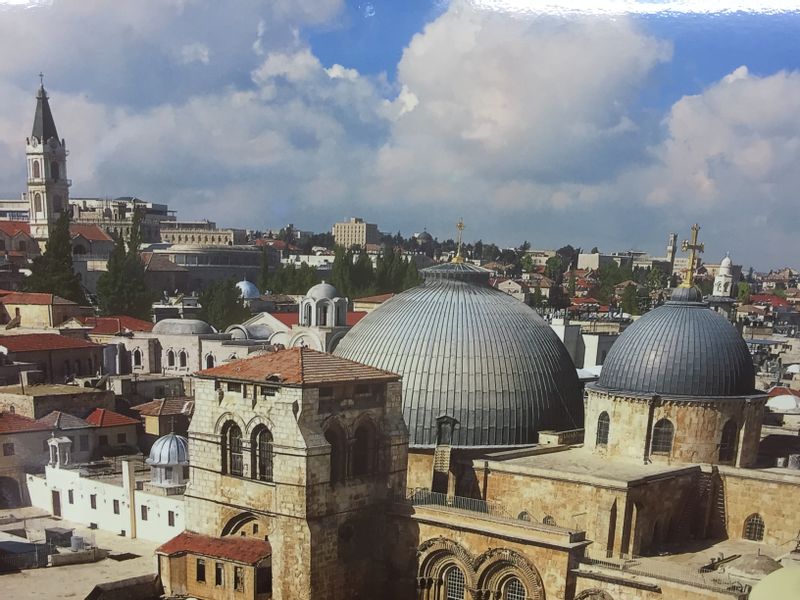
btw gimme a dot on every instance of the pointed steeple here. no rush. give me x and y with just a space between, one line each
44 127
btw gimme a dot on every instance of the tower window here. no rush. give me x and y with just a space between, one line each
364 449
37 202
55 171
754 528
663 432
336 438
603 424
727 444
261 459
37 170
232 463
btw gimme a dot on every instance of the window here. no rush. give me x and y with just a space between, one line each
232 463
261 459
170 358
263 580
200 569
8 449
219 574
548 520
364 449
234 387
336 438
37 203
84 442
122 438
182 358
171 518
454 584
524 516
37 170
93 501
137 358
514 590
238 578
104 440
754 528
70 497
210 361
168 473
727 444
603 423
54 170
116 507
144 512
662 437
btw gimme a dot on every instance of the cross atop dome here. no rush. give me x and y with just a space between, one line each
693 247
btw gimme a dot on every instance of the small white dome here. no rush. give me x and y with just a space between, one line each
169 450
726 262
247 290
323 290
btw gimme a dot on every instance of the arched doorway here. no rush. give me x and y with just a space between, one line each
9 493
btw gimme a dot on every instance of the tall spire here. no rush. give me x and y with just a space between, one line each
44 127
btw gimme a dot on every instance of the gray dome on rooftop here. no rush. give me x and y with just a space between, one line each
247 290
168 451
323 290
680 349
182 327
473 353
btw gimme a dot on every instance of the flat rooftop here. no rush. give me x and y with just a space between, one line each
48 389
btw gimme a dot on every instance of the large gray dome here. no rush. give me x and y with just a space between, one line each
680 349
182 327
471 352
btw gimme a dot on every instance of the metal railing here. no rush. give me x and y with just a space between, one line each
716 583
425 497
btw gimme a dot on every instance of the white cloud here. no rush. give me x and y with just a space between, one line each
196 52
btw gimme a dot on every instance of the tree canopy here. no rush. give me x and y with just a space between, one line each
53 271
222 306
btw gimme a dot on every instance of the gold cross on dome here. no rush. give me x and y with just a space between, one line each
692 247
458 258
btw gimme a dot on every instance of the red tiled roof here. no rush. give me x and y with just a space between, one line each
775 301
780 390
11 423
34 298
298 367
293 318
112 325
166 407
62 420
12 228
379 299
102 417
586 300
43 341
246 550
161 263
93 233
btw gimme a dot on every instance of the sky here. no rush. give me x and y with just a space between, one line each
607 124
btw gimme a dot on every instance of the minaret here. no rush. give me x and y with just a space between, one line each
48 186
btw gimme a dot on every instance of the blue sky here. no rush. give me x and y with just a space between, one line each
609 131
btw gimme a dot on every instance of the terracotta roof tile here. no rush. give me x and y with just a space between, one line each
236 548
34 298
780 390
11 423
12 228
160 263
92 233
112 325
166 407
102 417
293 318
298 367
43 341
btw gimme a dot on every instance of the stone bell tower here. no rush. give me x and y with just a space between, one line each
48 186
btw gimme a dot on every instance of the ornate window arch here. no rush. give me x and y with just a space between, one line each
182 358
753 528
603 426
524 516
513 589
232 455
497 569
170 358
728 444
365 449
455 584
336 437
548 520
663 432
37 202
261 453
594 594
37 170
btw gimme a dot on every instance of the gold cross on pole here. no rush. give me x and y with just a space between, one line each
458 258
692 247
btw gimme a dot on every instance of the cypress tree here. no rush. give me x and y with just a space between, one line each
221 305
53 271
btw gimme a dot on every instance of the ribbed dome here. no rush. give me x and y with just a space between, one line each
323 290
247 290
473 353
182 327
169 450
680 349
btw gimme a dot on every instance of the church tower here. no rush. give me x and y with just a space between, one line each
48 186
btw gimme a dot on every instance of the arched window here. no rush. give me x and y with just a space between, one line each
548 520
603 423
322 315
170 358
364 449
261 454
662 437
210 361
182 358
37 170
37 202
727 444
232 463
524 516
137 358
514 590
454 584
307 315
336 438
55 171
754 528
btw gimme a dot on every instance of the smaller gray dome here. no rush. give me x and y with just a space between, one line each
247 290
323 290
753 566
169 450
250 332
182 327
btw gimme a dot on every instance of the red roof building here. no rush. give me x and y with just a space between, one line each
292 319
14 423
246 550
36 342
102 417
36 298
115 325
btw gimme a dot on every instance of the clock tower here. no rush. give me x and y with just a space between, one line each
48 186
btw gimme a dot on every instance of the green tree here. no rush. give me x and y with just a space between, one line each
342 271
53 271
656 280
526 262
554 267
362 276
537 298
221 305
571 284
629 303
411 277
121 290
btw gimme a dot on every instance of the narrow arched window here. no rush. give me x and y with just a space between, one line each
170 358
307 315
454 584
261 454
727 444
603 424
182 358
514 590
663 432
754 528
322 315
37 202
232 463
548 520
524 516
55 171
210 361
37 170
364 449
336 438
137 358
